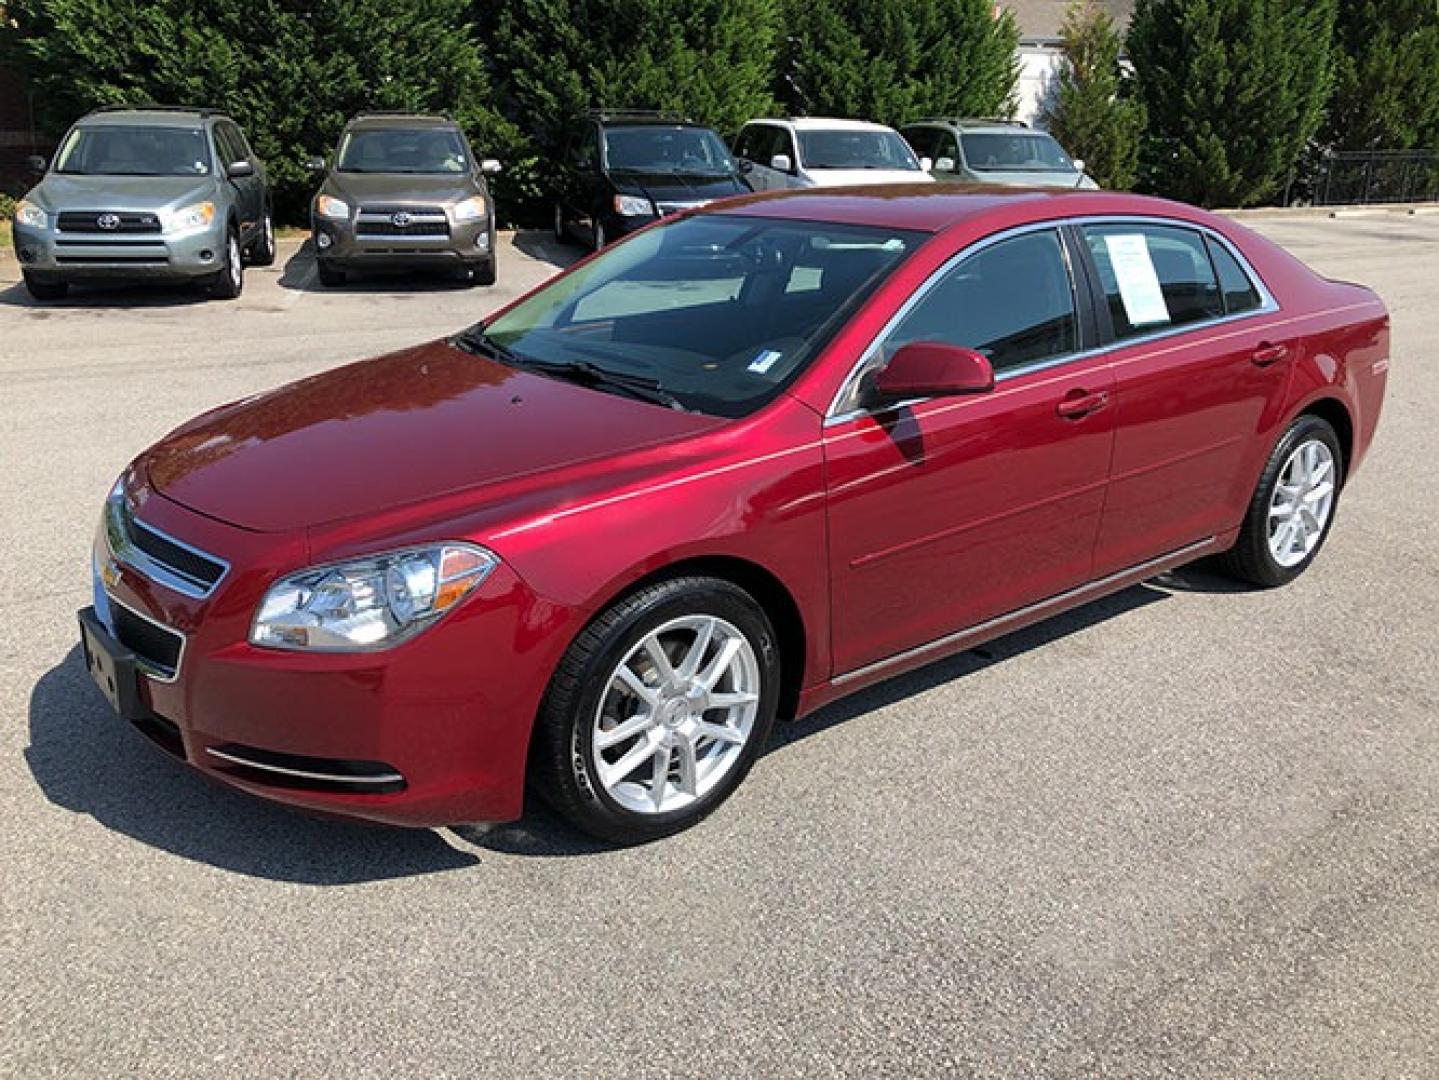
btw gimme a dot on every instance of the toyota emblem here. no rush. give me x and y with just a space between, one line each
400 220
108 221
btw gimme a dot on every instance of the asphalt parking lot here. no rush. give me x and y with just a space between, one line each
1189 830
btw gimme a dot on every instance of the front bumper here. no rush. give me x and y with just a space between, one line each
435 731
52 255
340 244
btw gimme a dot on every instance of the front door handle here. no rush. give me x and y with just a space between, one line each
1268 354
1081 403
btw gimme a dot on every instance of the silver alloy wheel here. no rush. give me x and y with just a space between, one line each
675 716
233 245
269 232
1302 502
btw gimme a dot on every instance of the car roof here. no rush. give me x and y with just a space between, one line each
960 123
154 117
936 207
620 120
408 121
824 123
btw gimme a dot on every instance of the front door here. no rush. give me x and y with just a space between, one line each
949 512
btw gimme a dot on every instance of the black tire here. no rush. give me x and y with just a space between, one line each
41 289
1250 560
563 759
561 233
262 249
600 239
330 276
230 281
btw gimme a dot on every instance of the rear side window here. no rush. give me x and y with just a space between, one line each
1012 301
1154 276
1240 295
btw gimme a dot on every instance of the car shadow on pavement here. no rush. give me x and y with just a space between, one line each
542 246
88 762
109 295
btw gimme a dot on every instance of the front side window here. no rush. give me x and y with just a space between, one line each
1154 276
652 148
721 310
1012 301
396 150
113 150
846 148
1014 152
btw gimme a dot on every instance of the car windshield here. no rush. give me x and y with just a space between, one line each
719 311
399 150
855 149
1015 153
653 148
115 150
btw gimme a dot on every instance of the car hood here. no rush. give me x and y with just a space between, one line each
401 429
1036 178
402 187
678 188
856 177
57 192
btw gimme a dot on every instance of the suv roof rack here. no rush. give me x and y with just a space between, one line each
401 112
1004 121
202 111
637 114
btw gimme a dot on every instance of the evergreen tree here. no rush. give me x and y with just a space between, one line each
1235 90
898 60
1090 113
1386 76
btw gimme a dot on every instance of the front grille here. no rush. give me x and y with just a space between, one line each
156 647
200 570
88 221
380 221
384 210
128 258
416 228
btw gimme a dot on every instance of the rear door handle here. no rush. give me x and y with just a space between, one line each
1082 403
1268 354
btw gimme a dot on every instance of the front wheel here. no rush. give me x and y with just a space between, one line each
658 710
230 281
1292 508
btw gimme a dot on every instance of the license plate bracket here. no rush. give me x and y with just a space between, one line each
111 666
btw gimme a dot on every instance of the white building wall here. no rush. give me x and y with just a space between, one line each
1038 66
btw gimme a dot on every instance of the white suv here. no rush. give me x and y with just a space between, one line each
814 152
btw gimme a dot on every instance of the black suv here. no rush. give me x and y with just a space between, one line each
404 191
624 169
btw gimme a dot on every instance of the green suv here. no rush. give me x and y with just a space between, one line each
152 193
404 191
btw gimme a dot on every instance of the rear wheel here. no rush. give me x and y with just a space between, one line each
262 249
41 289
658 710
1292 508
330 276
560 233
600 238
230 281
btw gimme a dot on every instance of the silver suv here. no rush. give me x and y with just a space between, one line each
994 152
152 193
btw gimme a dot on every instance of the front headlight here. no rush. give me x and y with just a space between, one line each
327 206
196 216
633 206
30 215
370 603
470 209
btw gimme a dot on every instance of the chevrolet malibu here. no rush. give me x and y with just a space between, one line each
748 460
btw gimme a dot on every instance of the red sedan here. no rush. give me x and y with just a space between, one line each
749 460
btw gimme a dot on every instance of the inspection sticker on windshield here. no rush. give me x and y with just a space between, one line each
761 364
1138 283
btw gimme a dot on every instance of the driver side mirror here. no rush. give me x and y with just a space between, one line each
1078 164
944 164
237 169
781 163
490 166
928 369
926 164
36 164
315 164
746 165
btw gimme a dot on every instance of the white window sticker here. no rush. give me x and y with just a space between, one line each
1138 283
761 364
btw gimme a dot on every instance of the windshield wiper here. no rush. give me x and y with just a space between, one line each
577 371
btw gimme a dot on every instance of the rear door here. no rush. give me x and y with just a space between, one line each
1201 365
249 190
948 512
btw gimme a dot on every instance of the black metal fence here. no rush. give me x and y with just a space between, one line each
1349 178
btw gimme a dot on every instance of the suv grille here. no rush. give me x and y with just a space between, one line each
157 647
88 221
391 221
200 572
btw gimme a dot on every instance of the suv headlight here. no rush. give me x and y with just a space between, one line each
470 209
327 206
195 216
370 603
633 206
30 215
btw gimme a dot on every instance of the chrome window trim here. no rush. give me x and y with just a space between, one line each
1268 305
